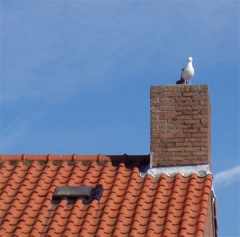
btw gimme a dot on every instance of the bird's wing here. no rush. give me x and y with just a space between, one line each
182 73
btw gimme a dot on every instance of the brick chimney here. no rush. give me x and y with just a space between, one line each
180 125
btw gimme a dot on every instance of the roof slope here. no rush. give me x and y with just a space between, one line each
129 206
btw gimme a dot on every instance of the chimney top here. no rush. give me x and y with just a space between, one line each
180 125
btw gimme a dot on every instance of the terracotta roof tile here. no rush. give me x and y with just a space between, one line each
129 205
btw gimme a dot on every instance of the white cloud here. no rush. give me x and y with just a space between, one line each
15 130
61 47
227 177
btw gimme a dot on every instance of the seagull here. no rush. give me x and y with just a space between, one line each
187 72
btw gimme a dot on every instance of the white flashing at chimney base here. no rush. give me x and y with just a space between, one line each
200 170
151 159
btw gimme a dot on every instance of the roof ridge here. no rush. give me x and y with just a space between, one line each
51 157
129 160
74 156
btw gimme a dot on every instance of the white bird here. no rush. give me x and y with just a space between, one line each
187 72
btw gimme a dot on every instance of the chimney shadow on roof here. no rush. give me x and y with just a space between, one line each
130 161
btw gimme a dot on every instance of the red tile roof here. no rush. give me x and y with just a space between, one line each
129 206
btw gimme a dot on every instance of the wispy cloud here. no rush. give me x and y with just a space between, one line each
61 47
19 127
227 177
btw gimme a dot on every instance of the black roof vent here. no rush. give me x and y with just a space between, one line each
74 193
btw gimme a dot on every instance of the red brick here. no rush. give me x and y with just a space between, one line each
176 140
193 139
199 144
199 135
193 121
183 144
156 122
158 114
166 135
183 154
174 149
199 153
184 117
192 149
182 108
185 135
158 104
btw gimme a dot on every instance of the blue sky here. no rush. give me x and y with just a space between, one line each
76 75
